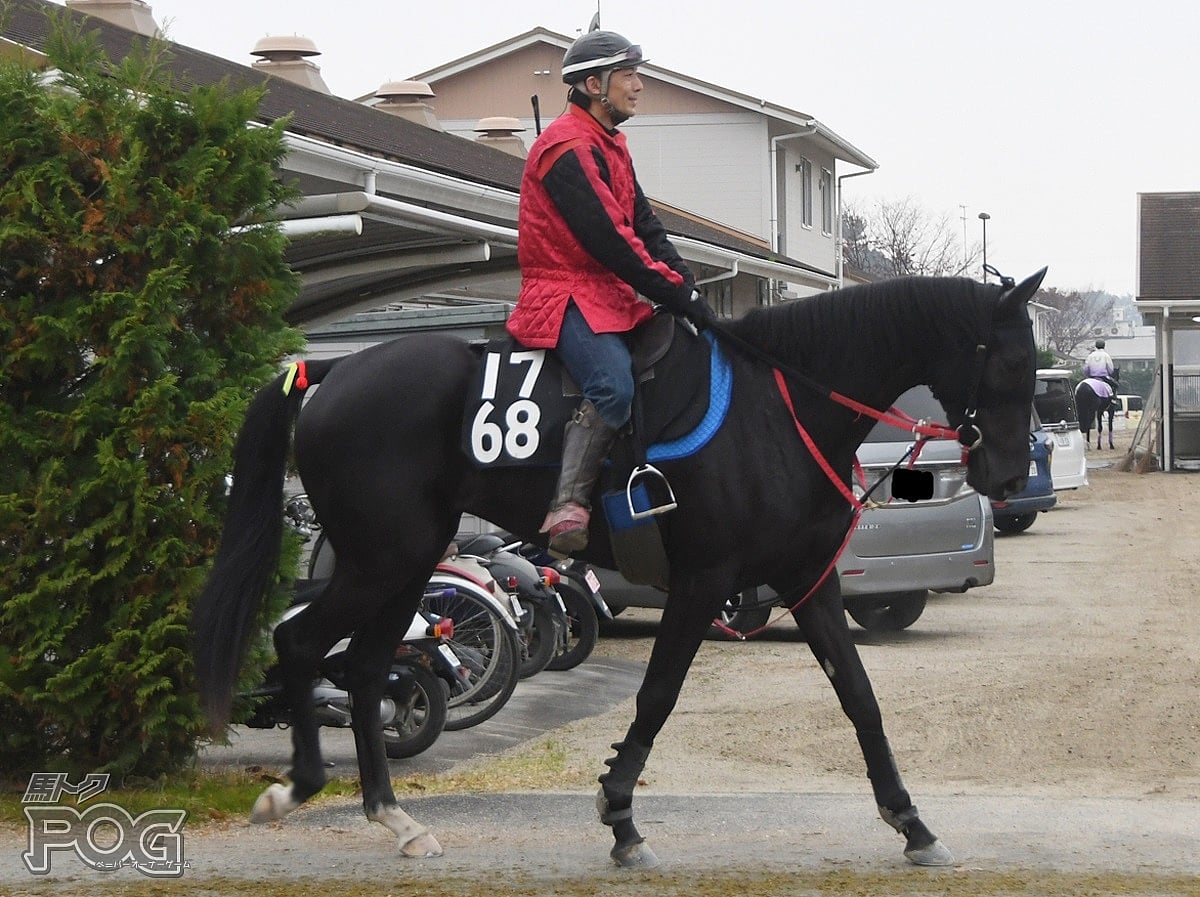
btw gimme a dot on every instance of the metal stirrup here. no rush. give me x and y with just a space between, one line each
648 470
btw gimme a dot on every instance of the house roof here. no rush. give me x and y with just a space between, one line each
839 147
1169 257
399 210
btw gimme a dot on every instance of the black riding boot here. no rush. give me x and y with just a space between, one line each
586 441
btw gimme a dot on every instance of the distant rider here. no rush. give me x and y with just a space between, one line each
1099 364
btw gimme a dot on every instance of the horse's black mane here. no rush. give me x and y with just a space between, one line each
898 318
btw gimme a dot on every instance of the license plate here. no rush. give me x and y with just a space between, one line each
592 579
1062 438
1033 468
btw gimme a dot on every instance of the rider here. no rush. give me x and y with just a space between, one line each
1099 364
588 244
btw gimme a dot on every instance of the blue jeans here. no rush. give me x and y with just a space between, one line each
600 365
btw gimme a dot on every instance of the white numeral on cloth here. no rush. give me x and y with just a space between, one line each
519 436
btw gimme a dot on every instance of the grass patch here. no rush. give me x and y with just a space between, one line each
671 883
224 796
207 796
532 767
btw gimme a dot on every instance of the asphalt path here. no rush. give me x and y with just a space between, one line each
540 703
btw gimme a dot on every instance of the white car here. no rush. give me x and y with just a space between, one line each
1054 399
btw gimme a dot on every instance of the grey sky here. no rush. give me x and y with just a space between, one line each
1051 116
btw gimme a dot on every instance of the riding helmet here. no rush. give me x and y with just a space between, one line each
596 52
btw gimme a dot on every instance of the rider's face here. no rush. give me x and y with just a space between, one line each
624 85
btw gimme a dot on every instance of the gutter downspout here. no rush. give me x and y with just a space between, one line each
838 242
810 128
727 275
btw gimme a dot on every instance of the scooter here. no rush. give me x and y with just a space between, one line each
544 621
414 706
487 638
579 589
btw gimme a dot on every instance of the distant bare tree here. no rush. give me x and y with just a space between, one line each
892 238
1069 330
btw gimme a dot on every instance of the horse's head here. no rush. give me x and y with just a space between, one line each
994 386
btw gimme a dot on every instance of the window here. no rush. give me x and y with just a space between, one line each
804 168
719 296
763 292
826 201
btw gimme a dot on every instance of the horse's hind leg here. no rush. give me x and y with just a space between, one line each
823 622
371 652
300 643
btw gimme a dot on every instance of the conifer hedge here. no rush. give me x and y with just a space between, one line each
136 319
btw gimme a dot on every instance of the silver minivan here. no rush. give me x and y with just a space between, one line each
901 549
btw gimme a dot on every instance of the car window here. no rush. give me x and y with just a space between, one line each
1134 403
917 403
1054 400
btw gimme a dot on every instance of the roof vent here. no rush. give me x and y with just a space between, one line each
133 15
406 99
500 131
285 57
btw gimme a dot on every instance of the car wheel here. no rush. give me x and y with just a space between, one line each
742 613
889 612
1015 523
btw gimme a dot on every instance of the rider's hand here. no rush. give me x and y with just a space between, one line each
697 311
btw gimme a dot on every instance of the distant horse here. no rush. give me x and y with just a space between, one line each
1093 399
767 499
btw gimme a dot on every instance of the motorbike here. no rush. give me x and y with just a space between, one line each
543 620
579 589
414 706
487 632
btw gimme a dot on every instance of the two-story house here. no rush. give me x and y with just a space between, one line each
767 172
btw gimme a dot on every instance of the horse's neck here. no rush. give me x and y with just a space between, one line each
872 347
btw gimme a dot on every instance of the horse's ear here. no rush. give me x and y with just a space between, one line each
1016 297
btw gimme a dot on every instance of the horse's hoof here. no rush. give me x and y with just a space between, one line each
423 846
273 804
935 854
634 856
415 839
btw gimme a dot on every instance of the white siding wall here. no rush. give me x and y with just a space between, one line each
808 243
713 165
719 166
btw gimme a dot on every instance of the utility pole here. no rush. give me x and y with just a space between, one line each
963 207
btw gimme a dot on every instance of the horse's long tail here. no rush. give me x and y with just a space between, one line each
224 615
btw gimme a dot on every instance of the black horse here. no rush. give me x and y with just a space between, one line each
1093 405
379 447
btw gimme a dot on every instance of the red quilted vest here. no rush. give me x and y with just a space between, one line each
554 266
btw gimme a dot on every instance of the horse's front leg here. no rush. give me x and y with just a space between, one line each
688 614
823 622
370 657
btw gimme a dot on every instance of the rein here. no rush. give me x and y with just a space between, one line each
967 433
